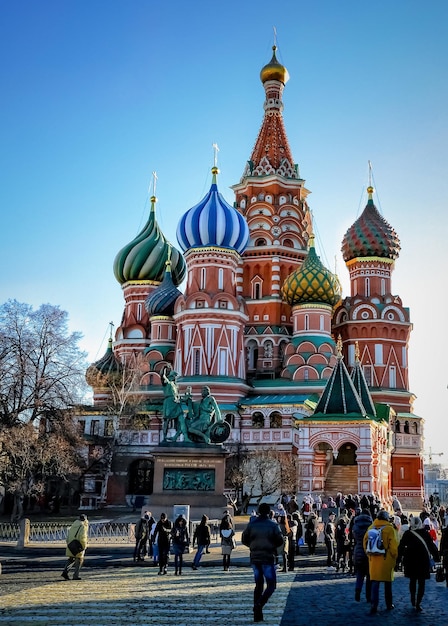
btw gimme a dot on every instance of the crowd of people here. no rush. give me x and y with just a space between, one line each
362 537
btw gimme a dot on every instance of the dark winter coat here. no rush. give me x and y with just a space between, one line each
414 554
360 525
163 534
201 535
262 536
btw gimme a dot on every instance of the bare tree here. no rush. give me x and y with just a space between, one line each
267 472
122 380
41 378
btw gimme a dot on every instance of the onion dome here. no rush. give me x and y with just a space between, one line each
108 368
162 300
145 256
274 70
312 282
370 235
213 222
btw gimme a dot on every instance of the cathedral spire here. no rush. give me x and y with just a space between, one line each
272 154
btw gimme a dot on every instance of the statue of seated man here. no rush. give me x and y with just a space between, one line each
202 414
172 407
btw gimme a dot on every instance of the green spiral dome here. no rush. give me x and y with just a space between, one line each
144 258
312 283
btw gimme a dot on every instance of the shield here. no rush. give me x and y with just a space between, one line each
219 432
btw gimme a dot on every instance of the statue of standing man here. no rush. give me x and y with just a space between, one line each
172 407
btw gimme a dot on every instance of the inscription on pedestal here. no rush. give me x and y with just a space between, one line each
189 479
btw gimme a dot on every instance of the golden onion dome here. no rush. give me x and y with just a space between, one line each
274 70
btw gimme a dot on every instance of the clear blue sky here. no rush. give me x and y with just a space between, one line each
98 94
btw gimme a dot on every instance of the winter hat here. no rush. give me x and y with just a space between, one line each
416 523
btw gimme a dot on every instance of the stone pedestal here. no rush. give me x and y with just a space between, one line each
189 474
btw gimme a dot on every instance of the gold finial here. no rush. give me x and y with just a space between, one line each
339 347
357 353
168 260
311 241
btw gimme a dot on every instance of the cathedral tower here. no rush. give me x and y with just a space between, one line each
272 197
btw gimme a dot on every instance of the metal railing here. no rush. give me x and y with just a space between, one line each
99 532
56 532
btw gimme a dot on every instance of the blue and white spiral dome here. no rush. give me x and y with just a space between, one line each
213 222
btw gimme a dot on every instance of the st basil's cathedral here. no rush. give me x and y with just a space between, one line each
295 368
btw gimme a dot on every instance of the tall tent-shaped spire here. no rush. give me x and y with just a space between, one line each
340 397
360 383
271 153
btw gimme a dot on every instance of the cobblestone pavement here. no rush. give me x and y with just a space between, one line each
115 591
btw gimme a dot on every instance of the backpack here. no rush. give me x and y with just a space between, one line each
375 545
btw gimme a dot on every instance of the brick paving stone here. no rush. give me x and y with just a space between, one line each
115 591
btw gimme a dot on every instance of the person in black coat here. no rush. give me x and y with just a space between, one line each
416 550
361 523
162 535
262 536
201 537
311 533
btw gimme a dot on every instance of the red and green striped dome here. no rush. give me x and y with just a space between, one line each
312 283
370 235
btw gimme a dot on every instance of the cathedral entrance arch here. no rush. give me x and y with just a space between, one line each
345 455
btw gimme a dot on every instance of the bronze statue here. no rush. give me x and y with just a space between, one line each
202 415
203 422
172 407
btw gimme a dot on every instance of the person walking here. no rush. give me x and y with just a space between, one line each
330 541
311 533
162 534
202 538
180 540
416 549
227 535
382 566
141 532
263 537
342 541
361 523
77 539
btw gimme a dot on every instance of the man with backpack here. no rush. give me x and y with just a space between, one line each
381 546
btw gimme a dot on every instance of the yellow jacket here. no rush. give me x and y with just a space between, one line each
78 530
381 567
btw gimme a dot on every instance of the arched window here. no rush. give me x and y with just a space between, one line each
406 427
306 322
367 287
260 242
257 420
220 278
415 425
397 426
256 295
230 419
203 277
288 243
197 362
141 476
139 311
275 420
